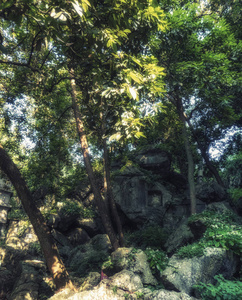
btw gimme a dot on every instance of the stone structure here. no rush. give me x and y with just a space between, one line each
150 191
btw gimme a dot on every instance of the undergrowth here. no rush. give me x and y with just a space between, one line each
222 231
222 290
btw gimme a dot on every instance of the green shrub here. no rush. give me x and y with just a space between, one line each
23 227
235 194
157 259
222 232
35 248
17 213
74 208
224 236
150 236
192 250
92 262
223 290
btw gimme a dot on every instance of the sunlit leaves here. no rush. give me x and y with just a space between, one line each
154 13
82 7
129 127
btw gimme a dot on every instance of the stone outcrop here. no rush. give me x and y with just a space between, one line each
149 191
126 259
27 285
96 250
20 235
121 286
179 237
210 192
182 274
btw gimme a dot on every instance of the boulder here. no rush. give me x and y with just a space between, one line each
210 192
220 207
78 236
182 274
89 225
20 235
101 242
92 254
60 239
54 221
141 200
101 292
179 237
127 281
7 280
27 285
91 281
126 259
124 285
168 295
155 160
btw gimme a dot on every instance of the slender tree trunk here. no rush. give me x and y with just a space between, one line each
205 156
48 246
211 167
110 196
84 145
190 161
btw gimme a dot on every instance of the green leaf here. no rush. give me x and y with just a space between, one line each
77 8
133 93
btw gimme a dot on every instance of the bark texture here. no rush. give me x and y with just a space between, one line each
48 246
191 182
84 145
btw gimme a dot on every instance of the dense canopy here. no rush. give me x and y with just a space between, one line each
84 83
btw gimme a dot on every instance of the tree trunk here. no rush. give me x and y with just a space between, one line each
205 156
84 145
110 196
190 161
211 167
48 246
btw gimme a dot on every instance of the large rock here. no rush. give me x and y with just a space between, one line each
91 281
7 280
141 199
210 192
179 237
168 295
20 235
89 254
127 281
27 285
78 236
182 274
90 225
124 285
60 239
156 160
126 259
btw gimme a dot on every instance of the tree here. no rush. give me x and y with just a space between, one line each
202 75
50 251
101 45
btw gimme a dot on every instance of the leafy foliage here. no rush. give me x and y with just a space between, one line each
157 259
192 250
222 231
73 208
223 290
152 236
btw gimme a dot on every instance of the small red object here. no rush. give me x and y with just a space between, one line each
103 276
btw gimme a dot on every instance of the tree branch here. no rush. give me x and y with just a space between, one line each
19 64
32 47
